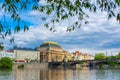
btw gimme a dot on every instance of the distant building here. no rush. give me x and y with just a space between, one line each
80 56
88 56
91 57
26 55
77 56
6 53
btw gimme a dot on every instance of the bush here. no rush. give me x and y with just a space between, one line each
113 63
6 63
21 66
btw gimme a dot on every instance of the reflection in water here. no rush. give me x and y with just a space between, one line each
113 74
60 74
6 75
50 74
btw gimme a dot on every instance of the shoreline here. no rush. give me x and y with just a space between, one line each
46 66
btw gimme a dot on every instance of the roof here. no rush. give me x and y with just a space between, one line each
51 46
50 42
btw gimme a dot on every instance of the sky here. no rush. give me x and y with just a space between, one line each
100 35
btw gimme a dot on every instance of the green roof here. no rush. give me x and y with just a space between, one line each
48 45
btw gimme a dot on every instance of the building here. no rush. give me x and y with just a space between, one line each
80 56
6 53
88 57
68 56
47 52
26 55
52 52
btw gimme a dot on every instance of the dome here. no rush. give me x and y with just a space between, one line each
50 46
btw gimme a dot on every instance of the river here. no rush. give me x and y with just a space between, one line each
60 74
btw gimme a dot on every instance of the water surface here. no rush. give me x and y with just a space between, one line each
60 74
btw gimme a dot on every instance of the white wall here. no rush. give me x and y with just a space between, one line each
7 54
25 54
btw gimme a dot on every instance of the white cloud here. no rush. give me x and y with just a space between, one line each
37 33
97 36
42 2
1 14
34 13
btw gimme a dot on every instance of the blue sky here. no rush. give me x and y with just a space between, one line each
100 35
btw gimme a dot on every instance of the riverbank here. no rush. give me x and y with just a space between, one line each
77 66
30 65
104 66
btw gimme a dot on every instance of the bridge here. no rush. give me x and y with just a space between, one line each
94 63
97 61
90 63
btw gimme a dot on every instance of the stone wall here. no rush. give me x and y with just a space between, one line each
31 65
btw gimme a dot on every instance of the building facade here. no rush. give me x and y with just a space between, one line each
77 56
26 55
80 56
47 52
52 52
9 54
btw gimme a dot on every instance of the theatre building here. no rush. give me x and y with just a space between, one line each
52 52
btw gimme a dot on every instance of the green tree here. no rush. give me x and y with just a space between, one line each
6 63
112 57
118 56
60 10
100 56
1 47
115 56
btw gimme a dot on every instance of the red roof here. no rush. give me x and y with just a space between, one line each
9 50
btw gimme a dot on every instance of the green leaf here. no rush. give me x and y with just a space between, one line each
3 5
58 14
23 5
26 28
43 18
49 11
1 46
73 27
8 1
1 28
109 16
46 25
57 20
118 18
17 1
86 22
8 32
35 7
17 29
118 2
11 40
51 29
64 17
94 8
113 14
41 9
